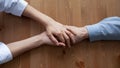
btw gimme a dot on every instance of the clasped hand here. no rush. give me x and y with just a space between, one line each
62 35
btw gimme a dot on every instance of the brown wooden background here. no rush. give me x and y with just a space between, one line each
102 54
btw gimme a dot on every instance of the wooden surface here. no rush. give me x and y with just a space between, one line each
102 54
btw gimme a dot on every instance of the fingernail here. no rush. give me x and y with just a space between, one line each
62 44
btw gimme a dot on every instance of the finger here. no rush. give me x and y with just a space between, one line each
71 36
70 28
67 39
61 44
52 38
60 37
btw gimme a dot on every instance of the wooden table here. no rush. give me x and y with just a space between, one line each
86 54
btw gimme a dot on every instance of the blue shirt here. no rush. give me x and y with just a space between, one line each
107 29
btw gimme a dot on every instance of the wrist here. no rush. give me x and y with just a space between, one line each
48 23
39 40
85 32
36 40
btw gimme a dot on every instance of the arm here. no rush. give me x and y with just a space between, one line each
15 7
16 48
107 29
53 28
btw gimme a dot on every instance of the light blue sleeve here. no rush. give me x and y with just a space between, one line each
15 7
5 53
107 29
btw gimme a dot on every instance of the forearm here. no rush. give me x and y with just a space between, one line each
20 47
7 52
107 29
37 16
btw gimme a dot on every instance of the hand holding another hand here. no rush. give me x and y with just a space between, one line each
80 33
70 34
58 34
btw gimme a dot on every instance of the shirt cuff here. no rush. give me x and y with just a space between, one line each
19 8
94 32
5 53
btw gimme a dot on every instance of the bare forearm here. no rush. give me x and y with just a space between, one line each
22 46
37 15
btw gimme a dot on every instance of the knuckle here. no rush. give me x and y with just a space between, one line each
54 41
49 34
69 33
59 33
67 38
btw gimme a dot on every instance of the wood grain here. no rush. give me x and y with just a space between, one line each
102 54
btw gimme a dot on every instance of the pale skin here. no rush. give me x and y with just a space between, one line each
22 46
19 47
55 30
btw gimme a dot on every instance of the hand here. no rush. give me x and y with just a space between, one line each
57 31
79 32
45 39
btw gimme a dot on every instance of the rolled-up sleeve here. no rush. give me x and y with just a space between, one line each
107 29
15 7
5 53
